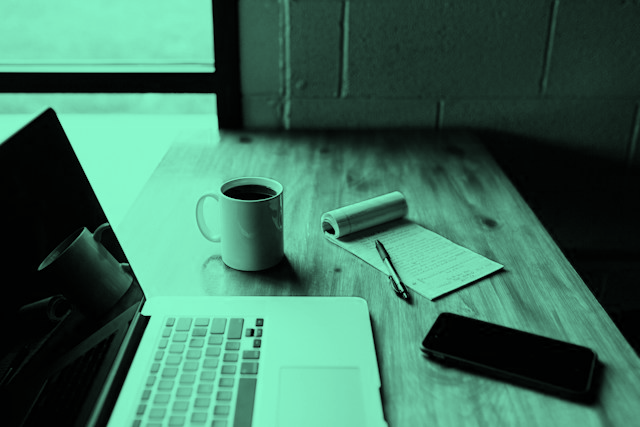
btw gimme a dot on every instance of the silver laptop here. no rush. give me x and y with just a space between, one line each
165 361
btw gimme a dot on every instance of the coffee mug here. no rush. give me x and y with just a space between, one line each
88 275
250 222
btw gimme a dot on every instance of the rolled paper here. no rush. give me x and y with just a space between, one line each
368 213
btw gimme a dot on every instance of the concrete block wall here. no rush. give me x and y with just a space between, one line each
566 72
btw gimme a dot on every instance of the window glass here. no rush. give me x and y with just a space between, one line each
106 36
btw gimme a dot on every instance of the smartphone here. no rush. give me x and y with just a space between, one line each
523 358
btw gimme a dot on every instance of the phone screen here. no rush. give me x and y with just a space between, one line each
534 359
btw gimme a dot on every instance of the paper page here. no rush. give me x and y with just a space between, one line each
426 262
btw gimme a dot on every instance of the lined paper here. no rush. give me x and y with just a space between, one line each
428 263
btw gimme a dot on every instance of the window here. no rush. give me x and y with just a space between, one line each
107 35
90 46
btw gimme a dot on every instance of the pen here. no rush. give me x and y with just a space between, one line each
398 286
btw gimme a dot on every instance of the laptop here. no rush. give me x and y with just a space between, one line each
165 361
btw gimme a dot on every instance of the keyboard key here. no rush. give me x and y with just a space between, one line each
259 322
146 394
257 343
230 357
202 402
157 413
218 325
180 337
177 420
173 359
141 409
187 379
190 366
244 402
215 340
258 333
249 332
208 376
251 354
163 343
196 343
162 398
223 395
219 423
213 352
184 392
166 333
159 355
249 368
170 321
205 389
210 363
221 410
235 329
184 324
169 372
151 380
232 345
226 382
176 348
155 367
199 332
199 417
228 369
166 385
194 354
202 321
180 406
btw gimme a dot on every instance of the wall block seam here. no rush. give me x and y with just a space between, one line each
548 54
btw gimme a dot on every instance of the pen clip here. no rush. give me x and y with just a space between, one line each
399 289
396 288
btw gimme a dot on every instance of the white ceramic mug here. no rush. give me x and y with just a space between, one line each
86 272
250 222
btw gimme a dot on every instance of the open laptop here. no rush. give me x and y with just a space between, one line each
204 361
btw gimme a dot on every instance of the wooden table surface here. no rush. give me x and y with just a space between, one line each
453 187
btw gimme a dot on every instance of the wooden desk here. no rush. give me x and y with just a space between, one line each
454 188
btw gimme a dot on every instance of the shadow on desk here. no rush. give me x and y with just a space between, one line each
282 273
588 203
281 279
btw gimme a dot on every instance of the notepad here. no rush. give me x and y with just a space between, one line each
428 263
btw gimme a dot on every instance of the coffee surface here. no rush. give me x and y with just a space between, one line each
250 192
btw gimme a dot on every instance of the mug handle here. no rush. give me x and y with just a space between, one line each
202 224
97 235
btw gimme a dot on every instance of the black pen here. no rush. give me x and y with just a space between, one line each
398 286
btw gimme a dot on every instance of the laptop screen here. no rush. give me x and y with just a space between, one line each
55 295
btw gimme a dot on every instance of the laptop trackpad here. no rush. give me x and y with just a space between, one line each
320 396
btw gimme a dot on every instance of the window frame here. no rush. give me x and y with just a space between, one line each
224 81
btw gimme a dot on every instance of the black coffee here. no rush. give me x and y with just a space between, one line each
250 192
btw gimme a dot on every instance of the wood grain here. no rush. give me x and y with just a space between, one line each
454 188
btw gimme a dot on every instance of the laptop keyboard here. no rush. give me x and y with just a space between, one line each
204 373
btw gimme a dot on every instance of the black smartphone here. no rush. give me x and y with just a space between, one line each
527 359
